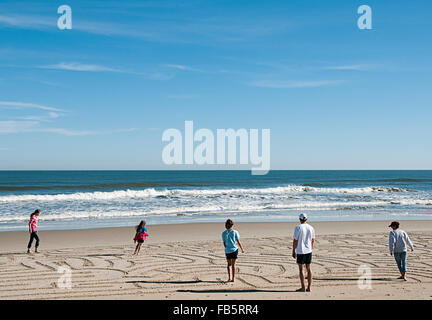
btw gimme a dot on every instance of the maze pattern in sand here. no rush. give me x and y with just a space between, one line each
267 266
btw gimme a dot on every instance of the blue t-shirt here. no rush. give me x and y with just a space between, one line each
230 237
143 229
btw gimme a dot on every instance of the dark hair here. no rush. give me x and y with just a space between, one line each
36 211
395 224
229 223
142 224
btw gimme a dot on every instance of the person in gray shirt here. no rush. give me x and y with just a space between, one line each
398 241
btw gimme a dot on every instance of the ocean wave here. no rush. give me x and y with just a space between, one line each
191 210
101 186
192 193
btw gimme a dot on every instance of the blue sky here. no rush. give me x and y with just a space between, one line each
100 95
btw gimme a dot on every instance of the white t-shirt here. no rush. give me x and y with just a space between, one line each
304 233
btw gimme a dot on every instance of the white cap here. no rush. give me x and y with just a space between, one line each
303 216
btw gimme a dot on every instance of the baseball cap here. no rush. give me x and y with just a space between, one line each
394 223
303 216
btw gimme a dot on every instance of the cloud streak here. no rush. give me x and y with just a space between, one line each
180 67
354 67
21 105
74 66
294 84
177 30
33 123
27 21
81 67
14 127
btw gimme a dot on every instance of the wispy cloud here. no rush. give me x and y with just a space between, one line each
49 116
74 66
180 67
179 29
38 123
33 126
353 67
294 84
81 67
21 105
27 21
67 132
12 126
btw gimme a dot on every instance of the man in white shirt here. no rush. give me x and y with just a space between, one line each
304 238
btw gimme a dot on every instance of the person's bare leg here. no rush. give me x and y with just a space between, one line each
36 250
233 263
302 278
139 248
309 277
228 269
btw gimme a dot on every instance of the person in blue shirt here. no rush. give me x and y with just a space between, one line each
140 235
231 238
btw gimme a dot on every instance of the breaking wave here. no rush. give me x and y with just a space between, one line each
195 193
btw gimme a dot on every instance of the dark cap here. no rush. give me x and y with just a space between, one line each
394 224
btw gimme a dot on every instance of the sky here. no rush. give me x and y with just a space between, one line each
100 95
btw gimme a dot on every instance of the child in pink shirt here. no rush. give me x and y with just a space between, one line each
140 235
33 231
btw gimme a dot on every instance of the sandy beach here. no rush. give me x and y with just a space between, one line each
187 262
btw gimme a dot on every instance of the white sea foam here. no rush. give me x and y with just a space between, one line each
190 210
193 193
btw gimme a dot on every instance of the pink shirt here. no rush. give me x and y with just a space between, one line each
33 223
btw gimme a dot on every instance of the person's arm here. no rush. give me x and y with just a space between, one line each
313 237
30 229
295 242
391 243
240 245
408 240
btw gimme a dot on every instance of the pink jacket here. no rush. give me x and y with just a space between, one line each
141 236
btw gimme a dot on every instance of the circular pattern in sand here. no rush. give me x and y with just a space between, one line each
188 268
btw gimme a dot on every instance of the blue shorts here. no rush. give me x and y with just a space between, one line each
232 255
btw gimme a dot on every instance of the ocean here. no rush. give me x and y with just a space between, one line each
92 199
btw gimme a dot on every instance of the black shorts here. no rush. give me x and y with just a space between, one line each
304 258
232 255
140 241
